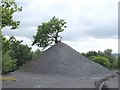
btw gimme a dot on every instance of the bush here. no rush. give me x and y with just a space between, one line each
36 54
101 60
114 64
17 50
8 64
105 58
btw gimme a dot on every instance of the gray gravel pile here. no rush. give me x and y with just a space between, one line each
61 59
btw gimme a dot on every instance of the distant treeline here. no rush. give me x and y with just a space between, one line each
106 58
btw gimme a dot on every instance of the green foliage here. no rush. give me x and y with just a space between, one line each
36 54
118 61
91 53
7 9
48 32
5 45
101 60
0 51
105 58
108 54
115 64
18 53
8 64
23 54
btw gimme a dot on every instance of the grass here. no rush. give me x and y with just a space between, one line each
7 79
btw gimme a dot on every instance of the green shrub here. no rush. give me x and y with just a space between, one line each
8 64
114 64
101 60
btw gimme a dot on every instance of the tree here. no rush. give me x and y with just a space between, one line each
90 53
8 64
118 61
105 58
48 32
101 60
36 53
19 51
8 8
14 54
108 54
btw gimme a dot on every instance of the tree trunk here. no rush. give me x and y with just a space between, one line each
56 41
56 38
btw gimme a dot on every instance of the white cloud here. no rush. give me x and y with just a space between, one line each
85 18
94 44
90 44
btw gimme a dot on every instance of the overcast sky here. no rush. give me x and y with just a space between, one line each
91 24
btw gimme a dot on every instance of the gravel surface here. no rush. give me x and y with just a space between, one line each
59 67
28 80
61 59
25 80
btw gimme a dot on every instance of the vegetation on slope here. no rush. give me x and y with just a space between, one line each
106 58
